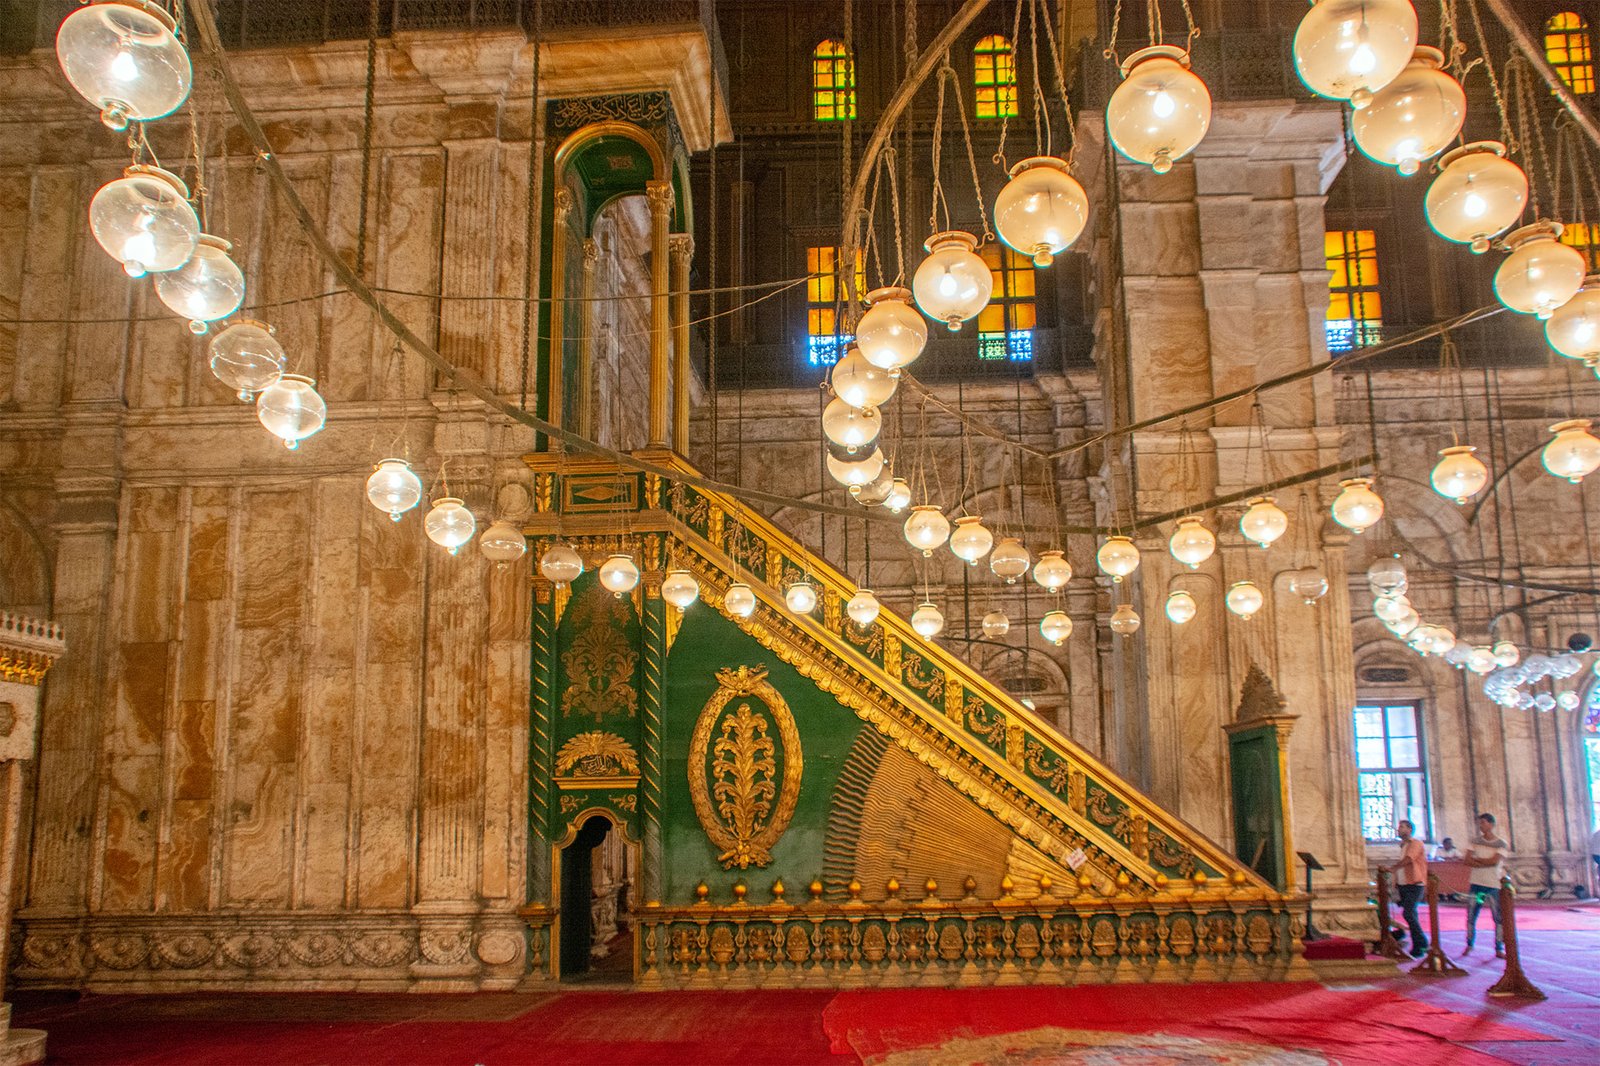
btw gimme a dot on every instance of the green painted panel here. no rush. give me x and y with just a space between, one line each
1258 802
707 643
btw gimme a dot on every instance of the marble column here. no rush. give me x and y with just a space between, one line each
586 330
28 648
682 251
660 194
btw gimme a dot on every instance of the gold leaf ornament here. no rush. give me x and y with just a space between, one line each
743 797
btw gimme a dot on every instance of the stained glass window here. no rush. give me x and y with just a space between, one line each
824 345
1391 778
833 82
1355 307
994 78
1585 237
1567 47
1005 327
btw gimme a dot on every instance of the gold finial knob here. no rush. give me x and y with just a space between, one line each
815 889
1046 883
778 889
892 887
740 890
854 888
1006 885
931 889
702 892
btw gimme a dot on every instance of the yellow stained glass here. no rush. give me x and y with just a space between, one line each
1585 237
1011 309
822 287
1567 47
1355 307
994 78
833 82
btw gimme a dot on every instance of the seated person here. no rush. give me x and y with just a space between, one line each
1446 851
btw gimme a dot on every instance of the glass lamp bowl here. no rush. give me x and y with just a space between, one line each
1118 557
863 608
1506 654
953 283
1244 598
291 409
996 624
927 620
971 539
899 495
1386 576
1009 560
1181 607
1480 660
1414 117
853 474
449 524
1389 608
1357 507
1055 627
208 287
1124 620
740 600
1052 571
394 488
877 490
851 428
561 564
502 543
1042 210
1573 329
1349 49
891 334
800 597
619 574
680 589
1478 194
1403 625
1541 273
1574 453
926 528
860 384
1161 110
1459 475
144 220
1309 583
247 358
1192 543
1263 521
124 57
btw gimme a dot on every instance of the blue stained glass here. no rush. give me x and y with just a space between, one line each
826 350
1346 334
1016 346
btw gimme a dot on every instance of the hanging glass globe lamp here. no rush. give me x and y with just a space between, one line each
1055 627
561 564
1459 475
1009 560
1161 110
1244 598
619 574
899 495
1357 507
1192 543
1478 194
863 608
1506 654
1574 453
1389 608
1309 584
854 474
1263 521
1124 621
859 383
124 57
1403 625
971 540
449 524
877 490
502 543
1414 117
1052 571
1118 557
247 358
1541 273
953 283
890 333
926 528
291 409
1480 660
1349 49
801 597
208 287
1042 210
851 428
394 488
680 589
996 624
1573 329
927 620
740 600
1181 607
144 220
1386 576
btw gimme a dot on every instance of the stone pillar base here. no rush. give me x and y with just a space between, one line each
19 1046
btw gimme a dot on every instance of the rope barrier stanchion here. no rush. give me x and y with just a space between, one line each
1435 963
1387 945
1513 982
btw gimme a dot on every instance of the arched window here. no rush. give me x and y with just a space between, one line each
1005 327
1355 306
833 82
1566 46
994 77
824 342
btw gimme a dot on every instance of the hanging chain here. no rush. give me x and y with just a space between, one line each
1061 84
1152 12
937 196
366 135
947 71
999 156
889 158
1506 133
1450 363
1111 46
1525 106
1041 117
530 206
1193 29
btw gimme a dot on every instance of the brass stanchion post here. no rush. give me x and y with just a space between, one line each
1435 963
1513 982
1388 946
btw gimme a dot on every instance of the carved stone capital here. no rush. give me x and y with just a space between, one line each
563 205
661 198
591 253
28 648
681 245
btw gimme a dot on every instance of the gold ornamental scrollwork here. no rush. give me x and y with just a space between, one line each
744 799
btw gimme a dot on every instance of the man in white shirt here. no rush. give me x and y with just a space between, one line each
1487 856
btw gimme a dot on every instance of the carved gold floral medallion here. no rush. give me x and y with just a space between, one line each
746 781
